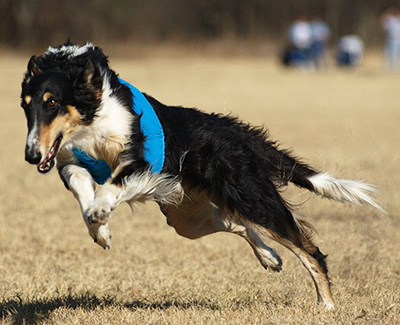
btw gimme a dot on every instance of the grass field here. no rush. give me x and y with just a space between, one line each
345 122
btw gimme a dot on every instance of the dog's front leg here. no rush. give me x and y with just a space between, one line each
131 188
106 200
81 184
119 189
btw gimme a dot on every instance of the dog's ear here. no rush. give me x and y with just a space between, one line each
90 76
33 69
87 89
33 66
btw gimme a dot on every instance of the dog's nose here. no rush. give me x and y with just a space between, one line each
32 156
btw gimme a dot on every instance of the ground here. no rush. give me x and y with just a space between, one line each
342 121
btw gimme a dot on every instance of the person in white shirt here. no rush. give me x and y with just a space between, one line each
391 25
320 33
350 50
301 40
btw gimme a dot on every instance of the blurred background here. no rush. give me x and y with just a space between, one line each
27 24
220 56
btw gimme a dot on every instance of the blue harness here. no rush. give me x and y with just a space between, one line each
154 144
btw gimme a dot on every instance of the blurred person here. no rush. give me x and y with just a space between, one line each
320 33
298 52
390 21
349 50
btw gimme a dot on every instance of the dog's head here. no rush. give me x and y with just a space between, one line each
61 92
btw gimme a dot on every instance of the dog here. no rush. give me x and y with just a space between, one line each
209 173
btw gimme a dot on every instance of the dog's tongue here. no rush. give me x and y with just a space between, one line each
48 163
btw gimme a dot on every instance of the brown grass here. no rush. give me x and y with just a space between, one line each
346 122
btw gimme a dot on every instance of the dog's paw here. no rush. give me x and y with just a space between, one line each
101 234
275 266
98 213
269 259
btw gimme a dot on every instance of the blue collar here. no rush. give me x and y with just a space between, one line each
154 144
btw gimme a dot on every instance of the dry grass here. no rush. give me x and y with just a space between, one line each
346 122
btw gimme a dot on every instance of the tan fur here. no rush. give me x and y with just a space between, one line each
28 100
110 150
46 96
107 146
65 124
48 134
318 275
196 217
107 149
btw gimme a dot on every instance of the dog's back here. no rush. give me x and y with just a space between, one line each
210 148
217 173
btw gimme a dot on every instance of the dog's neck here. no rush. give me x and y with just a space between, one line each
110 132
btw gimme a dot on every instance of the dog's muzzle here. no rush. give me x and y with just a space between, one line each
32 155
47 163
44 163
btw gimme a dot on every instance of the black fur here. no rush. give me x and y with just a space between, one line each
237 166
235 163
85 95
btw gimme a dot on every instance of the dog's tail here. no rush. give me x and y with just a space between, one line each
341 190
345 190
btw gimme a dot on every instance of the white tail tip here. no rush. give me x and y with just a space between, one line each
344 190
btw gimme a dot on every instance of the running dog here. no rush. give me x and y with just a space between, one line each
208 172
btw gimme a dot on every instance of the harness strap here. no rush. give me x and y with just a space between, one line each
154 143
99 169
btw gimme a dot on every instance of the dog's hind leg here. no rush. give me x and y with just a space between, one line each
265 254
81 184
298 240
196 217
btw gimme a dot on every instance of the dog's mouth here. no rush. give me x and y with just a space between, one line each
48 163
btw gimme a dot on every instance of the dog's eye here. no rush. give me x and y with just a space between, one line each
51 102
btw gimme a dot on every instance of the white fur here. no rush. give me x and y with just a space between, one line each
72 50
266 255
112 123
112 116
151 186
136 188
81 184
344 190
32 140
139 188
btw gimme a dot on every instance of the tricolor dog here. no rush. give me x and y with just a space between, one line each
208 172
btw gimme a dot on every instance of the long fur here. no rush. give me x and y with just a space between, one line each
344 190
220 174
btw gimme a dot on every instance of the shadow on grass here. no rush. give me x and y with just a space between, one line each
34 311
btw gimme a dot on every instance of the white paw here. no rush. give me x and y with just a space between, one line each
329 305
269 259
101 234
274 264
98 213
